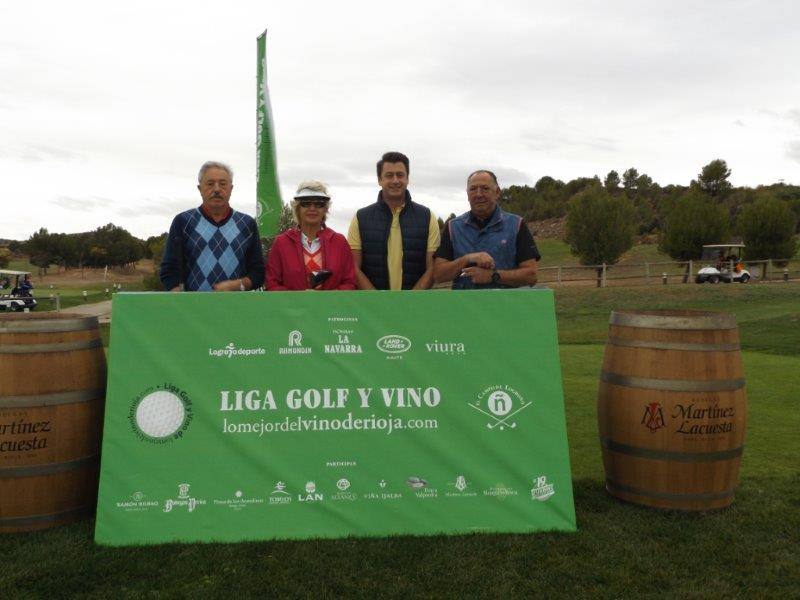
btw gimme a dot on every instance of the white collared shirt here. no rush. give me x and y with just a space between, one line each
310 247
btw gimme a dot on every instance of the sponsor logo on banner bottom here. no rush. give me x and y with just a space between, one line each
238 502
383 492
138 502
542 490
460 488
500 491
279 496
343 485
311 495
184 500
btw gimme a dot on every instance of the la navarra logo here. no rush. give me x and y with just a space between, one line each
161 413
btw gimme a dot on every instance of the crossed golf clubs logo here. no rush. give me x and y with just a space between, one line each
501 409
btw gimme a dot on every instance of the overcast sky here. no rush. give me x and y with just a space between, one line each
107 110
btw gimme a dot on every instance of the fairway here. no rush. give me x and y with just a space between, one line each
620 550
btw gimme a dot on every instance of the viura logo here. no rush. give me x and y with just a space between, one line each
231 351
451 348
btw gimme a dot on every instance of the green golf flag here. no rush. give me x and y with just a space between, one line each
268 192
254 416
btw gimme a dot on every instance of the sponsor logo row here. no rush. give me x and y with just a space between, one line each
281 494
342 341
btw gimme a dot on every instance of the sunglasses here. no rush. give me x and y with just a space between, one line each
314 203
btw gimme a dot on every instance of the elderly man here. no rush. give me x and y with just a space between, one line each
213 247
393 240
486 247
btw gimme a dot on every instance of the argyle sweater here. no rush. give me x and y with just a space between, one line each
199 252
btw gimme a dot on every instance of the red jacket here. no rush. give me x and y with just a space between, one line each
287 271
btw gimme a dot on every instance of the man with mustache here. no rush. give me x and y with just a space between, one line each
213 247
486 247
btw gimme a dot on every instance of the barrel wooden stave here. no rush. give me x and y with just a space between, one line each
52 388
26 508
655 452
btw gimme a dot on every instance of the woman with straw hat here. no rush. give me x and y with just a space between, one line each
310 256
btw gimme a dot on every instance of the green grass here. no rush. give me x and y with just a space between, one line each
73 296
768 315
22 265
749 550
556 253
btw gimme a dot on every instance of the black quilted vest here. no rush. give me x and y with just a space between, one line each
374 222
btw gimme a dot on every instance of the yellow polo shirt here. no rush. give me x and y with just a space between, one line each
394 245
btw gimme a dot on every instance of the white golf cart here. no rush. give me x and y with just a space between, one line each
14 294
722 262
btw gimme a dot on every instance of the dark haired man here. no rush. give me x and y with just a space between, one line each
486 247
393 240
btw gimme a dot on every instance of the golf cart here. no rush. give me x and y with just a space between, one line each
16 296
722 262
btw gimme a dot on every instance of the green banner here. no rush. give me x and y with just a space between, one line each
268 192
251 416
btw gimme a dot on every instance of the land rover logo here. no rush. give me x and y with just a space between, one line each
394 344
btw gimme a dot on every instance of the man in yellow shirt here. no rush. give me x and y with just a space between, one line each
393 240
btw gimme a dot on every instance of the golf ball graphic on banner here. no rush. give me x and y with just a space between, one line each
161 414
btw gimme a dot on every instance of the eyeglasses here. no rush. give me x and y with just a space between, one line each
314 203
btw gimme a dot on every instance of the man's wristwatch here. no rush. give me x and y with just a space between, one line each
241 285
495 277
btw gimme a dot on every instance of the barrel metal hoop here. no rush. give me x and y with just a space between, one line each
56 347
696 322
49 325
49 518
685 457
51 399
673 385
613 486
616 341
49 468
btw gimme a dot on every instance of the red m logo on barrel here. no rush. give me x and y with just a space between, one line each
653 417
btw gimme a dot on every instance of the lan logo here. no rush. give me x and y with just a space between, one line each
653 417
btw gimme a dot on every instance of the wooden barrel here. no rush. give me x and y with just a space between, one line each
52 392
671 408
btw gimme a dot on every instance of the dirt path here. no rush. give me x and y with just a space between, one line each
101 310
